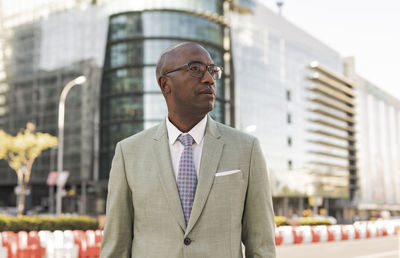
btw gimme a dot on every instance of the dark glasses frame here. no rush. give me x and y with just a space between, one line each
210 68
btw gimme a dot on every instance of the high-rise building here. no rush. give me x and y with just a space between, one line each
291 94
378 147
44 46
279 83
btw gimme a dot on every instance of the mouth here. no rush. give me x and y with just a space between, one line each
209 92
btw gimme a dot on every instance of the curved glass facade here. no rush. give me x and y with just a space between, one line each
179 25
131 100
209 6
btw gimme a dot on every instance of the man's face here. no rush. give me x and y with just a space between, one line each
190 95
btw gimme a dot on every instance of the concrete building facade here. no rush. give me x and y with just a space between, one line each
378 146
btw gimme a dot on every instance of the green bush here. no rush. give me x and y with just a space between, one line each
3 223
310 221
24 223
301 221
280 221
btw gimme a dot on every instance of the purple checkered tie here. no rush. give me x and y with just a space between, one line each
187 178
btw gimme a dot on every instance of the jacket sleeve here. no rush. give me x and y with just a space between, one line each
118 230
258 229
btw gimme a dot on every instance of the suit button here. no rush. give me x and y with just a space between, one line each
187 241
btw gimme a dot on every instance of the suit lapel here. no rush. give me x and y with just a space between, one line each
211 154
166 174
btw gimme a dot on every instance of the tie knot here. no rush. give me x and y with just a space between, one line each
186 140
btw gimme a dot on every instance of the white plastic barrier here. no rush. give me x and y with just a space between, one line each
64 245
306 233
54 243
337 232
3 250
47 241
371 227
22 239
379 224
69 245
322 232
390 227
287 234
58 244
350 231
362 229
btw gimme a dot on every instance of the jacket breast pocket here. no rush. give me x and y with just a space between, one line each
231 176
226 199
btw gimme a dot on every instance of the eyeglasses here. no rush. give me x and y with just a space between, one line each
198 70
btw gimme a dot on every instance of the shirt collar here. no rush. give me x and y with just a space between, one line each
197 132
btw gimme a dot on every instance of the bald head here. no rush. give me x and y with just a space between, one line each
171 54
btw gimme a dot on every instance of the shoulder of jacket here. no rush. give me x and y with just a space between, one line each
139 138
230 132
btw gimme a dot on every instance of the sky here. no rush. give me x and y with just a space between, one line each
368 30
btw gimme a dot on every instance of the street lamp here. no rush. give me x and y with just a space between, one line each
280 3
61 112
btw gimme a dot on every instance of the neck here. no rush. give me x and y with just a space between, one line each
184 123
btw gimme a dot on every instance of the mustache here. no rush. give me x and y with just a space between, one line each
209 90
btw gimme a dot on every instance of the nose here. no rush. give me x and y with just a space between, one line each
208 78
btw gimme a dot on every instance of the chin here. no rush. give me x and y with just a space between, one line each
204 110
210 107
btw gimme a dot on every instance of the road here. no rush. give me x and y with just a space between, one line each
382 247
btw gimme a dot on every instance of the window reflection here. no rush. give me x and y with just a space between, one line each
126 107
212 6
110 135
147 52
175 24
220 89
126 26
217 113
105 165
126 54
156 109
124 80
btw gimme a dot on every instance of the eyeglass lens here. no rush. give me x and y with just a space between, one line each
198 70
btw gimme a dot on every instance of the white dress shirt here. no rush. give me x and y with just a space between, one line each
176 147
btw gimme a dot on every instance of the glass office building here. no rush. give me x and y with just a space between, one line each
131 100
41 53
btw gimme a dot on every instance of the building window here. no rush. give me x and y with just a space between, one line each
288 95
290 164
289 118
289 141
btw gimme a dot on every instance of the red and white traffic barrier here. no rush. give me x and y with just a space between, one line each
286 235
57 244
3 249
78 243
21 244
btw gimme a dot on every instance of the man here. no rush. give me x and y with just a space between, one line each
189 187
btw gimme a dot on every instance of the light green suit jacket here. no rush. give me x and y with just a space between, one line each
144 213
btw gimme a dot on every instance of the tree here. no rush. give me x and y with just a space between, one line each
20 152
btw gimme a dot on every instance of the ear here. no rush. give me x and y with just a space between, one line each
164 83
